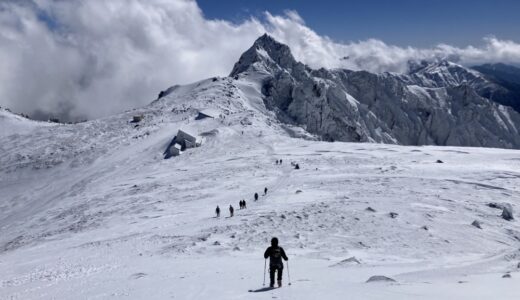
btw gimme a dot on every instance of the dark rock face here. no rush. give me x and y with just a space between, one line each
434 105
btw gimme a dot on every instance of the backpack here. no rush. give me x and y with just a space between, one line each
276 257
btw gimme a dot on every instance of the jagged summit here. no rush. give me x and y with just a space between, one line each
266 54
271 45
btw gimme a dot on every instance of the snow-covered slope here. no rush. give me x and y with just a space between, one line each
15 124
435 104
444 73
93 211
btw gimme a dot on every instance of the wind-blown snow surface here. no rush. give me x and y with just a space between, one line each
93 210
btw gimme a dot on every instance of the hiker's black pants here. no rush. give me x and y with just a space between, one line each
273 269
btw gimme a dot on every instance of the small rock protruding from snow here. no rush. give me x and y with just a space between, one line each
352 259
439 161
137 275
393 215
495 205
370 209
380 278
476 224
347 262
506 275
507 212
425 228
137 119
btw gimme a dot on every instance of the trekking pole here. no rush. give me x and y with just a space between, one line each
265 264
288 273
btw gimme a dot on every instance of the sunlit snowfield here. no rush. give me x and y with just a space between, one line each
93 211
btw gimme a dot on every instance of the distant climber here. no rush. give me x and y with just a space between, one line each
244 203
280 161
265 191
275 254
277 161
256 196
231 211
297 166
217 211
240 204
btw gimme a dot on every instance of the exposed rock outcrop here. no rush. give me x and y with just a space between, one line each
380 278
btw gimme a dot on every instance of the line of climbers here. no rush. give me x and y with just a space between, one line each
242 203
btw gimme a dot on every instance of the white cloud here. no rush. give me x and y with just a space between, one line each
93 57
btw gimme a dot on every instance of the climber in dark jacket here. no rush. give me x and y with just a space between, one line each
275 254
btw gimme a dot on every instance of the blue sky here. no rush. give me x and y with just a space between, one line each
400 22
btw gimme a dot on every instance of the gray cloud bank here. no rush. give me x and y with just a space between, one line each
90 58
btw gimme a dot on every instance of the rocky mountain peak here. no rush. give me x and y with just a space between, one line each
267 55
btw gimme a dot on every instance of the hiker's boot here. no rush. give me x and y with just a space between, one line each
279 283
271 285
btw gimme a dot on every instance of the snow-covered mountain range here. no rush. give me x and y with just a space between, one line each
94 210
437 103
